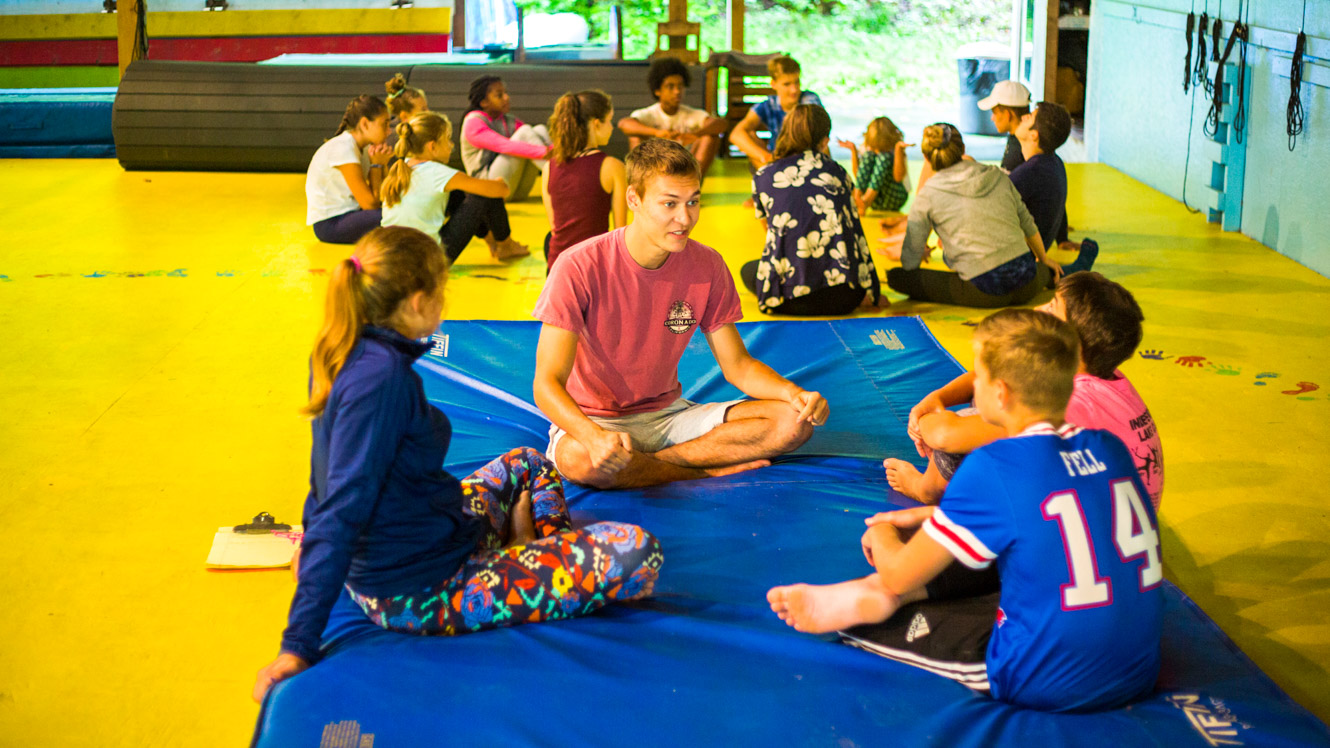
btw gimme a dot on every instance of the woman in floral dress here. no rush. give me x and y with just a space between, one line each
816 260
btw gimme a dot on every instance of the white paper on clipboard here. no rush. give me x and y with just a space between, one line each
269 550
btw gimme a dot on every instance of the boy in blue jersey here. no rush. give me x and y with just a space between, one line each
1064 515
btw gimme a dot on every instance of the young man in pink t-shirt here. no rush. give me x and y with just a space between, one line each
1108 320
618 312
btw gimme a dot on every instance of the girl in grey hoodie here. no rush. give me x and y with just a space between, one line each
988 237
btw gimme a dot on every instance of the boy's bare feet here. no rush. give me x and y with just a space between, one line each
820 609
904 478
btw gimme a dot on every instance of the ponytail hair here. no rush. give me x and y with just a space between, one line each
571 122
412 137
942 145
804 129
387 266
363 106
480 88
402 99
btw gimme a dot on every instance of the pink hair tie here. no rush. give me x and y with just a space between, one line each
356 261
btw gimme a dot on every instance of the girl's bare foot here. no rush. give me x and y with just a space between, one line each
904 478
523 521
493 244
820 609
893 223
890 247
509 249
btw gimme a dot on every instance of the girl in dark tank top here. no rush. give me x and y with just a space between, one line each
582 186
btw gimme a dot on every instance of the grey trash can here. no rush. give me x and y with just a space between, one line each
980 66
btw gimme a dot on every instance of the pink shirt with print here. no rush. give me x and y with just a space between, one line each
633 324
1114 406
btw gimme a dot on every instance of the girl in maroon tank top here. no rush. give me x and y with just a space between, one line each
582 187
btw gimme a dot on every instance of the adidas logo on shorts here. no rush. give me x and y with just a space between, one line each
918 628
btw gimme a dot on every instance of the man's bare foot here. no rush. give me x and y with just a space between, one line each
509 249
523 521
904 478
732 469
820 609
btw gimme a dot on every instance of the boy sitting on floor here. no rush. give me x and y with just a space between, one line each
1108 321
1076 634
672 119
770 113
1042 178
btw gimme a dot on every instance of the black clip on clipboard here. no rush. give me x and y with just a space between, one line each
263 523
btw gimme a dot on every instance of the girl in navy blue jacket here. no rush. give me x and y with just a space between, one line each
417 549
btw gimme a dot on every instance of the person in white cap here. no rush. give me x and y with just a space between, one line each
1007 103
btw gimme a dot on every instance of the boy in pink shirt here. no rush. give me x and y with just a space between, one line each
1108 320
618 312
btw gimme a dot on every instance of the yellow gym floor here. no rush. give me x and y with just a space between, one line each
157 327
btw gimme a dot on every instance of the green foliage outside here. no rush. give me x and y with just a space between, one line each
878 49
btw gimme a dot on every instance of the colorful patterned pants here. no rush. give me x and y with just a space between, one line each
561 574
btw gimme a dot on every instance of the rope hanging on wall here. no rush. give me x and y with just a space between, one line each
1295 113
140 51
1240 95
1200 76
1186 66
1217 90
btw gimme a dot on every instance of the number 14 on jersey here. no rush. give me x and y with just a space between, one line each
1133 534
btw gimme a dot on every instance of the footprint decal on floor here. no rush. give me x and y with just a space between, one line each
1224 370
1260 378
1154 355
1190 361
1303 388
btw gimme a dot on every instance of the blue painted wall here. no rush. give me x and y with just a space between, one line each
1138 118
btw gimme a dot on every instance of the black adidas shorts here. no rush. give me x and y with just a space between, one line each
945 637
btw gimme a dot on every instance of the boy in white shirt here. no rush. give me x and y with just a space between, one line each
672 119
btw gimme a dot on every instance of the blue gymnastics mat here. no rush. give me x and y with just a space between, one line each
56 122
705 662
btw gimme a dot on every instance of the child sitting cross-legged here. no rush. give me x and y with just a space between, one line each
1108 321
1076 623
881 171
670 118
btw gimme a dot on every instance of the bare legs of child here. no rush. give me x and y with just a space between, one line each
926 487
823 608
